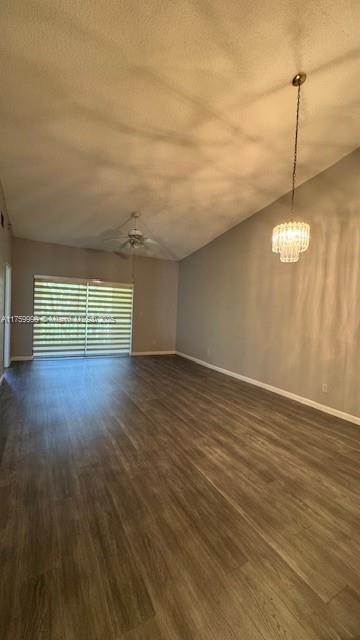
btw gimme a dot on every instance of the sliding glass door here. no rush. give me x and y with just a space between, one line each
75 317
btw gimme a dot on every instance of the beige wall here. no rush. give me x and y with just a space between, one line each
155 291
5 258
294 326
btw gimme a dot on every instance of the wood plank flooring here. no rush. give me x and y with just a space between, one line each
152 499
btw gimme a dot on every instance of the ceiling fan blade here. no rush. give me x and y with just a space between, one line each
171 255
114 239
150 241
124 245
121 250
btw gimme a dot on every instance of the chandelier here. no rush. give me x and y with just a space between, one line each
289 239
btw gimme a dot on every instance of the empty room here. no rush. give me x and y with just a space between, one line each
180 320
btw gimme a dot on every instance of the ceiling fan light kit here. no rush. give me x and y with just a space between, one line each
291 238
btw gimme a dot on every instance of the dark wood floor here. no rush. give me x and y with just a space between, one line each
152 499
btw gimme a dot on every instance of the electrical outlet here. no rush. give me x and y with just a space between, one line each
324 387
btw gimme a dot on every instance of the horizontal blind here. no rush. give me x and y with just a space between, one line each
113 305
79 317
60 314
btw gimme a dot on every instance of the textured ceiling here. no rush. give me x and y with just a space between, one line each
182 109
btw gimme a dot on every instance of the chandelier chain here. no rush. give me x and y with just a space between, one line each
295 149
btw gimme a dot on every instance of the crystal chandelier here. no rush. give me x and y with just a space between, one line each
292 238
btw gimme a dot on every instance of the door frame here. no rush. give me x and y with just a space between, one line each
7 313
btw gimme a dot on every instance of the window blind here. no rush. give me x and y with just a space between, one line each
114 304
80 317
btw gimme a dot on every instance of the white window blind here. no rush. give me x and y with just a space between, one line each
80 317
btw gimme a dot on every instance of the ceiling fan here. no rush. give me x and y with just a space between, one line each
133 240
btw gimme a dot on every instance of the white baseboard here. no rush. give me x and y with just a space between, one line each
281 392
153 353
134 353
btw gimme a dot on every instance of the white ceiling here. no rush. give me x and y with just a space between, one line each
182 109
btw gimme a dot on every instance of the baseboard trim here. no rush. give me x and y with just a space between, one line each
133 353
281 392
2 379
153 353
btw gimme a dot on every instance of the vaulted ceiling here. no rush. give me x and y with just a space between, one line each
180 109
